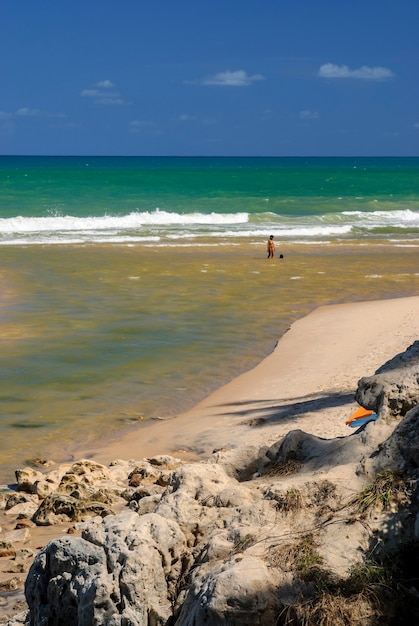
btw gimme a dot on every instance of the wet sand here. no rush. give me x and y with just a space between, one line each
308 382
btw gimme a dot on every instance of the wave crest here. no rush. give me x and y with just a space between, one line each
159 225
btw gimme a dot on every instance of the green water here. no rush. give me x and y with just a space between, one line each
130 288
35 186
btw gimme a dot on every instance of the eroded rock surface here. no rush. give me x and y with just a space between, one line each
123 572
246 537
394 388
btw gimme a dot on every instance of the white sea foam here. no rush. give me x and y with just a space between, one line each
399 217
106 222
162 226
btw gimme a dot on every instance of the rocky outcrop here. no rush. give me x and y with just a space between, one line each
65 495
247 537
240 590
394 389
400 450
124 570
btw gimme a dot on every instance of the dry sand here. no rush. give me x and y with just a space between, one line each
308 382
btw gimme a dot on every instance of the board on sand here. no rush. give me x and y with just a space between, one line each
361 416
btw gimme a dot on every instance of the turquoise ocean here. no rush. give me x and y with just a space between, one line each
132 287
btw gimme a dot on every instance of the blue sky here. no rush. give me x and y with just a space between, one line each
220 77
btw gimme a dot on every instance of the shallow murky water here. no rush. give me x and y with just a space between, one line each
95 338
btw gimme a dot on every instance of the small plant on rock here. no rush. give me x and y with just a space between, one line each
283 468
291 501
388 489
306 557
300 557
243 543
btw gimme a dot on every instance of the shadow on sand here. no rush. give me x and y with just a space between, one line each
264 412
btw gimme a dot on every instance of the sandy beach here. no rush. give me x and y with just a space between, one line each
308 382
131 339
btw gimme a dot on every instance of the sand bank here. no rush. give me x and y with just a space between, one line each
308 382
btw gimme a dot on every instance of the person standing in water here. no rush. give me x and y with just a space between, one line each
271 247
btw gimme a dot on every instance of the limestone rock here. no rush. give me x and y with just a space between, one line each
25 553
165 461
240 463
23 510
7 549
124 570
59 588
154 471
19 497
147 504
85 489
400 451
12 584
21 619
242 591
300 450
88 480
59 508
4 495
26 478
16 536
50 481
394 389
202 495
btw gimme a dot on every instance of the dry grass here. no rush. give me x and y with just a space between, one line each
283 468
290 502
300 557
323 491
243 543
332 610
375 594
388 490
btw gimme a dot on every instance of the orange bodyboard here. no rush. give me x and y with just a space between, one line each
358 415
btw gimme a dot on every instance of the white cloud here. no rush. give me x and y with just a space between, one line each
238 78
266 114
90 93
136 126
27 112
111 99
101 94
141 123
309 115
416 125
330 70
187 118
105 84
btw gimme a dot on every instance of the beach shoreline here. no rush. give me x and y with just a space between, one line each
126 338
307 383
313 370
